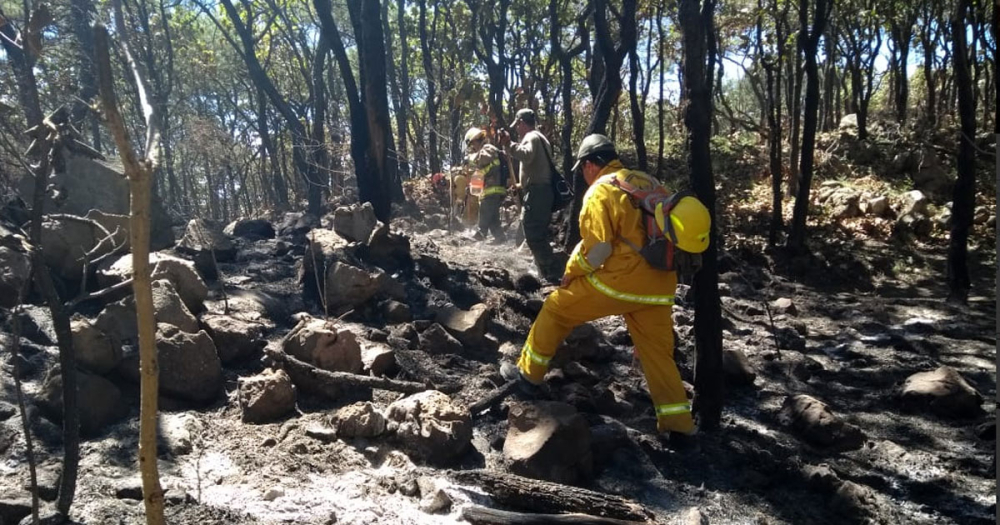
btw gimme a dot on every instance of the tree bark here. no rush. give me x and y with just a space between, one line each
810 41
532 495
637 111
485 516
83 15
140 175
433 155
22 63
404 82
698 37
959 282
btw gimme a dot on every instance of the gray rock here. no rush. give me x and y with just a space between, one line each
784 305
819 426
203 237
234 338
14 509
324 345
14 273
251 229
359 420
932 176
64 242
36 324
189 365
943 392
83 184
431 267
693 516
98 400
296 225
170 309
266 397
432 427
348 285
437 340
849 125
396 312
469 326
95 350
179 432
356 222
550 441
879 206
379 359
915 203
433 498
736 367
180 272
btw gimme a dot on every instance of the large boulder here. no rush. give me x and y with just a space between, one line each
387 250
355 222
818 425
736 367
180 272
430 426
379 359
251 229
234 338
915 203
267 396
65 243
548 440
15 267
95 350
82 184
189 365
169 308
932 176
849 125
943 392
256 306
322 344
203 240
348 285
359 420
468 326
436 340
296 225
99 401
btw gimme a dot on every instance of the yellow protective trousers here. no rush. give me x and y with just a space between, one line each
650 326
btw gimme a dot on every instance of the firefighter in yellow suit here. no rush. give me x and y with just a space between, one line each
605 276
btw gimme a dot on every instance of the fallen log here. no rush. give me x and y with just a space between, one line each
531 495
330 384
477 515
494 397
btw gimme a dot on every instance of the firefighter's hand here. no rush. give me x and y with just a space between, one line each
504 137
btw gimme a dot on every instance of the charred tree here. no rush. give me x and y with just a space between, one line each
901 29
22 59
772 75
371 132
609 88
809 39
83 15
433 155
861 42
959 282
489 20
696 18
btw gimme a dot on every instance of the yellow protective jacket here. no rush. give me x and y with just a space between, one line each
610 265
488 160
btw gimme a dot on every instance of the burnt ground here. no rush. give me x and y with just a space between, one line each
868 314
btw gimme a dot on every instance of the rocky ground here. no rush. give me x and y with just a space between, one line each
855 392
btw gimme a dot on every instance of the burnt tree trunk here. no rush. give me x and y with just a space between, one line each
83 15
402 156
772 74
638 112
959 282
698 37
810 41
433 156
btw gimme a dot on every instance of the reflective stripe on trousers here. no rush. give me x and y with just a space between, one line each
661 300
673 409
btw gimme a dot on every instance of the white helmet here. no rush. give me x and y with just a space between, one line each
473 134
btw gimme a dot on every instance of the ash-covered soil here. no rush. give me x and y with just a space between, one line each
842 337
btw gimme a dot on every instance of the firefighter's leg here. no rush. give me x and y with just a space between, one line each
563 310
496 223
653 334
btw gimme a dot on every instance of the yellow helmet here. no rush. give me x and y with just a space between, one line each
690 224
473 134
